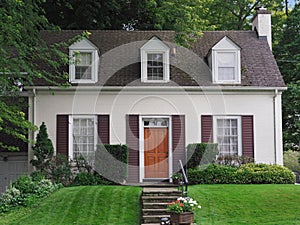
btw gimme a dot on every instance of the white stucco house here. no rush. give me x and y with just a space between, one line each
141 89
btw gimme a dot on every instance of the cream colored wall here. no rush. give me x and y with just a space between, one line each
189 104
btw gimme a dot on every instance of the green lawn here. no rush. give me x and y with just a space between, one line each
82 205
247 204
221 204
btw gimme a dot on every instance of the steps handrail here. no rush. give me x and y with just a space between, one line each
185 181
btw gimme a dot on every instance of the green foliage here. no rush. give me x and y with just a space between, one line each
246 174
111 162
59 170
291 159
183 204
43 149
201 153
84 178
25 192
287 54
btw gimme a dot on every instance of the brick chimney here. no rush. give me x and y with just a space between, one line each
262 24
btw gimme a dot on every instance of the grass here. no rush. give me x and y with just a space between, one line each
82 205
221 204
247 204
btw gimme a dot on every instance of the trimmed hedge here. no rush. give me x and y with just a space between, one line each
201 153
246 174
111 162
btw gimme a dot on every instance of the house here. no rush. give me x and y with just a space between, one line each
141 89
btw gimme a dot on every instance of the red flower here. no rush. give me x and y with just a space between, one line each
181 204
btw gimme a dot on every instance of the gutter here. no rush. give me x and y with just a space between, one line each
275 124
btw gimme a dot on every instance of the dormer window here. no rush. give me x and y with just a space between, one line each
84 62
225 62
155 66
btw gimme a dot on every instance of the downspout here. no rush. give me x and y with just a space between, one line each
275 124
33 121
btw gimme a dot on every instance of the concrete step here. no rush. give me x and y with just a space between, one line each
161 192
160 199
148 212
154 218
155 205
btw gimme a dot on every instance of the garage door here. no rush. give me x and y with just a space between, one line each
12 165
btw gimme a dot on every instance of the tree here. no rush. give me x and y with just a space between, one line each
287 53
43 149
22 53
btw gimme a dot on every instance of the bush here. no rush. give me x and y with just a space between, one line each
85 178
111 162
201 153
291 159
25 192
246 174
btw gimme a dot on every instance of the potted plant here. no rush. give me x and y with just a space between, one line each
182 210
176 177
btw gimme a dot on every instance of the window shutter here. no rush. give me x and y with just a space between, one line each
103 129
132 140
62 134
178 140
206 128
247 136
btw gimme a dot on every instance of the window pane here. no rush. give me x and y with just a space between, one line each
227 136
226 59
83 138
83 67
155 67
226 73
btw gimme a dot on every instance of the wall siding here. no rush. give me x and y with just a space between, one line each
247 136
132 140
178 141
206 128
62 134
103 129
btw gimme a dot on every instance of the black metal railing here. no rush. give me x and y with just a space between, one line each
183 183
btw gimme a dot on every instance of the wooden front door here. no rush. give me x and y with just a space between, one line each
156 149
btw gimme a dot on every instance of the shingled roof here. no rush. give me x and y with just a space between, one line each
120 57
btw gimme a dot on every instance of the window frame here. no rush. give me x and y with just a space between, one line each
71 136
155 46
239 131
94 66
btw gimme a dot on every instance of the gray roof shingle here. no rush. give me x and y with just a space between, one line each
120 57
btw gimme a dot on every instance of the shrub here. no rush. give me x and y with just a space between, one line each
24 192
59 170
291 159
85 178
246 174
111 162
201 153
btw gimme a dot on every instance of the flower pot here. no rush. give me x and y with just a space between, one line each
182 218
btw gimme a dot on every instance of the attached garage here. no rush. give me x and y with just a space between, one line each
12 165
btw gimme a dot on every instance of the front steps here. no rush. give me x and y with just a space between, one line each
154 203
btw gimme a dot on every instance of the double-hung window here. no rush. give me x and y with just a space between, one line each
155 65
228 135
225 62
84 62
83 137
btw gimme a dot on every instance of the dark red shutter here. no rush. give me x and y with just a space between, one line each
247 136
178 140
132 140
206 128
62 134
103 129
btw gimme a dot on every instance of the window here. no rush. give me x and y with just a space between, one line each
155 69
155 65
83 66
228 135
83 137
84 62
225 62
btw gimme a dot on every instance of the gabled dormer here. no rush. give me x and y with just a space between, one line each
155 61
225 62
84 62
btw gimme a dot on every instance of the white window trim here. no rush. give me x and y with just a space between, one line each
215 66
71 139
239 125
94 69
141 145
160 48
